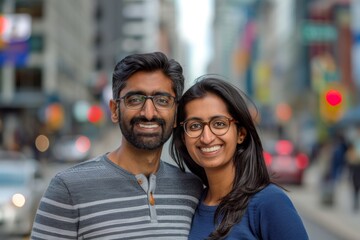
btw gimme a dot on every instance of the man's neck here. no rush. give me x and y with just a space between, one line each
136 161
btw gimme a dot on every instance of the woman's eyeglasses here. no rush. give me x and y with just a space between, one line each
218 126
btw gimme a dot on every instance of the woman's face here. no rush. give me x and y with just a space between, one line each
209 150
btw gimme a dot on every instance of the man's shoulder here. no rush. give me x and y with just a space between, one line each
91 165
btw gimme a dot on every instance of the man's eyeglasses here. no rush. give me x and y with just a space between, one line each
218 126
137 101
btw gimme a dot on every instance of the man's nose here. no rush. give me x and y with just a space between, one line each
149 109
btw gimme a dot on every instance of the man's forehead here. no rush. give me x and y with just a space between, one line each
149 83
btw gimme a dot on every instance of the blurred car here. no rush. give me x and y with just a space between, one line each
285 164
71 148
21 188
11 155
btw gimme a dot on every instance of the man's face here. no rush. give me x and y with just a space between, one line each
148 127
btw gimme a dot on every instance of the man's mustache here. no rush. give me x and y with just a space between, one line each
142 119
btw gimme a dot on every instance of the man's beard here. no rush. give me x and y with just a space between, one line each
147 141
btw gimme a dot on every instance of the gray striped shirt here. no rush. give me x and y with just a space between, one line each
97 199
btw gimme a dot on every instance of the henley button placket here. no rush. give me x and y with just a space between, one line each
149 187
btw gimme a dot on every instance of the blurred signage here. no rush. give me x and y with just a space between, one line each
15 31
15 27
313 32
14 53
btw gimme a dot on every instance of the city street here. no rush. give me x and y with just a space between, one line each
296 64
339 220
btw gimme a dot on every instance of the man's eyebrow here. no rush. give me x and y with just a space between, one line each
135 92
152 94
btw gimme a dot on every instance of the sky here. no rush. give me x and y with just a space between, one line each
195 21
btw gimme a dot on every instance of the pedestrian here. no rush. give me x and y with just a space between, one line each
216 139
353 161
334 170
129 193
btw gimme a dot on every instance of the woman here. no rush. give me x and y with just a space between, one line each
217 140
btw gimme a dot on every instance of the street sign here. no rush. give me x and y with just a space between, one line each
15 53
15 31
15 27
313 32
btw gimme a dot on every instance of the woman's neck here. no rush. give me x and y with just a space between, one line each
220 184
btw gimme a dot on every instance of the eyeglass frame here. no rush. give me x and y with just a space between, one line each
146 97
204 123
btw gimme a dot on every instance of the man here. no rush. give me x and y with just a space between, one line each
128 193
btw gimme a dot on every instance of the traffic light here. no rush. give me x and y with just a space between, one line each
54 116
333 97
332 103
95 114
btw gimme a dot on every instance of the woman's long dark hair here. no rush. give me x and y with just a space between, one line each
251 173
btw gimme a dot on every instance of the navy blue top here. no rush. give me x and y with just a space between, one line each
270 215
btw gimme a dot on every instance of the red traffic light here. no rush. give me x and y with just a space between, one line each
333 97
95 114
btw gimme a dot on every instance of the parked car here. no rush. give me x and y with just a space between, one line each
285 163
71 148
11 155
21 188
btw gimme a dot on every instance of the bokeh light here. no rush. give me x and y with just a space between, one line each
42 143
18 200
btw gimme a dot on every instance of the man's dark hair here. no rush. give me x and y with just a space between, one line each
147 62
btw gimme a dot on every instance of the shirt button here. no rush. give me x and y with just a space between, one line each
151 200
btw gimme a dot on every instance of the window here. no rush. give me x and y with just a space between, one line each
28 79
36 43
34 8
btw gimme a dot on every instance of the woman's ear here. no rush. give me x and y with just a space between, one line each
114 111
241 135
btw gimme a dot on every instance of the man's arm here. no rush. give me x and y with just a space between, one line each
57 217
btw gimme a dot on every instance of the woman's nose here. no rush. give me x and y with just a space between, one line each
207 135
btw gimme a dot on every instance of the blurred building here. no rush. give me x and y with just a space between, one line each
53 65
295 59
130 26
51 78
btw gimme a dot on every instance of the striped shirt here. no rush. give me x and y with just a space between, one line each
97 199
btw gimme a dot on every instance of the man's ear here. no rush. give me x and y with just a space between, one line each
114 111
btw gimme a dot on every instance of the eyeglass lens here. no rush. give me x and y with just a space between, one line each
137 101
218 126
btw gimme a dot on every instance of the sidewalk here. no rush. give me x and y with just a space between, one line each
339 218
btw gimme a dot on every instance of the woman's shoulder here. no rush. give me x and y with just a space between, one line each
271 194
272 202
